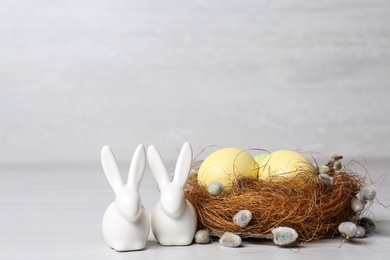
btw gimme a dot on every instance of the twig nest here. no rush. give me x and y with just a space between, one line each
242 218
289 192
229 239
202 236
284 235
286 164
226 165
314 213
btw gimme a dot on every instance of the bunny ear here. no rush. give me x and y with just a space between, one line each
183 165
137 167
156 164
111 169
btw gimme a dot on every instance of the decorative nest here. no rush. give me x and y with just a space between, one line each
314 211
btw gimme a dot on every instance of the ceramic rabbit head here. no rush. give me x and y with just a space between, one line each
174 219
172 198
126 224
127 200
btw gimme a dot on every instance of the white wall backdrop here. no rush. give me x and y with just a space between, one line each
75 75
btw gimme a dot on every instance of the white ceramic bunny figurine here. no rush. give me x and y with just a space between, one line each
126 223
174 219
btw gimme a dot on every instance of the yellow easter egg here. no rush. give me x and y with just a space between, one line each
284 164
226 165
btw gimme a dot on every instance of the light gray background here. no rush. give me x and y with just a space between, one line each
76 75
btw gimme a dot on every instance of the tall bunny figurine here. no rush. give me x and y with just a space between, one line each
174 220
126 223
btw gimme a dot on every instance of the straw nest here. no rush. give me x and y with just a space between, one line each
314 211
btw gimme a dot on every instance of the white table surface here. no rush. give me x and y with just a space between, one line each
54 211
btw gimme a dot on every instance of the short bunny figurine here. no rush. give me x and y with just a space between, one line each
126 223
174 220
